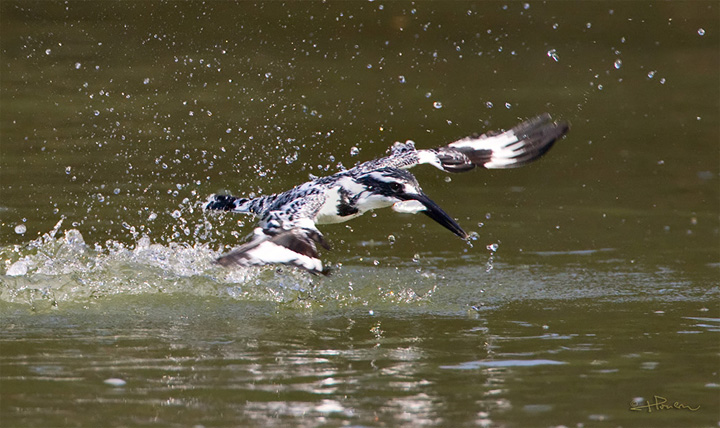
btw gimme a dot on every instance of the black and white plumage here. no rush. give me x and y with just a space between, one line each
287 232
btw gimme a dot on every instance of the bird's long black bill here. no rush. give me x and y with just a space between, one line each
436 213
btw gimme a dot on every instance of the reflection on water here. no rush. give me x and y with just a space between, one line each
471 365
217 361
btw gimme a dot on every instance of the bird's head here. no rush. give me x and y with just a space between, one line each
397 187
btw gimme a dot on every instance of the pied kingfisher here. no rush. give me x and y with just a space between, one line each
287 232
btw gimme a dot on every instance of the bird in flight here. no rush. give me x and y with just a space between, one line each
287 232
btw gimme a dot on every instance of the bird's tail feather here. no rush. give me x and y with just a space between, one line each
226 203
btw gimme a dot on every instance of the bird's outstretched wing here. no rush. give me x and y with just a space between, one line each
510 149
294 247
518 146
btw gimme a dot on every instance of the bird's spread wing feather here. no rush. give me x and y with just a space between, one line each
295 247
509 149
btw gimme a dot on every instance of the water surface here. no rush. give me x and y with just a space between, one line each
591 286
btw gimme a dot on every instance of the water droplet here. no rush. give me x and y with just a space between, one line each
651 74
376 262
416 258
437 104
588 25
48 51
489 104
508 105
152 216
701 31
662 81
618 64
555 26
77 66
68 169
146 81
492 247
291 158
176 214
401 79
20 229
354 151
447 179
552 53
526 6
391 238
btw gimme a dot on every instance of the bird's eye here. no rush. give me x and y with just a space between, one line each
396 187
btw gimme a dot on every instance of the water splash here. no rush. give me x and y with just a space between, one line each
61 268
56 269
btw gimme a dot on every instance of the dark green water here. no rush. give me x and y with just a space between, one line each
602 289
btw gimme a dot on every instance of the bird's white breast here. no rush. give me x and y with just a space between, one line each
328 212
367 201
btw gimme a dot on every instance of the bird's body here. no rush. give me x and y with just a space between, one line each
287 233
